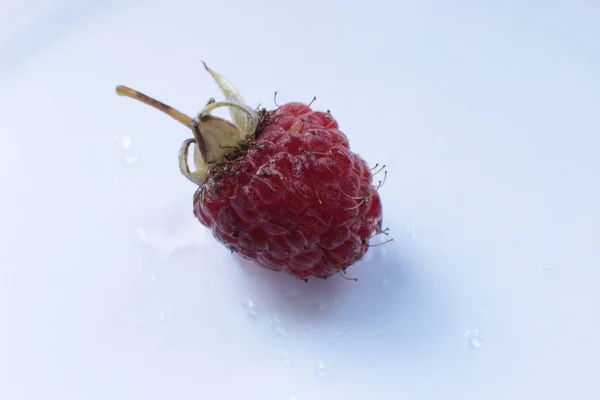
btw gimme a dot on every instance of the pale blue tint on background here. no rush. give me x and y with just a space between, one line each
484 113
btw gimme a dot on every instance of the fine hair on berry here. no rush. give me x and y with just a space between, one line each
280 187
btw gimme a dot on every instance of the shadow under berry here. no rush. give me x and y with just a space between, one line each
393 307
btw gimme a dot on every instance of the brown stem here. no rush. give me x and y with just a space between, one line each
170 111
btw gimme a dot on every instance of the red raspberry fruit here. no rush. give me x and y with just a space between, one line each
279 187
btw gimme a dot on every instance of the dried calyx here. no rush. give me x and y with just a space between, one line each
214 138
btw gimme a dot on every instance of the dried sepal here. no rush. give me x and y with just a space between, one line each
232 94
215 138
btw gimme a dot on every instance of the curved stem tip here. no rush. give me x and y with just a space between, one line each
170 111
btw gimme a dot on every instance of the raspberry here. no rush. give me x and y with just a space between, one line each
279 187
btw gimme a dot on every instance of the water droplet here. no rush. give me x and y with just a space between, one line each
130 160
180 242
142 234
473 338
125 142
385 281
285 355
161 316
340 334
410 231
292 397
276 325
320 369
250 308
324 306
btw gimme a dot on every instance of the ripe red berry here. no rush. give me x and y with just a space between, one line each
279 187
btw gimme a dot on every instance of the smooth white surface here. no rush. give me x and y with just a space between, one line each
485 113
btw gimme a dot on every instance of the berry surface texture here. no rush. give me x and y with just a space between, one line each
279 187
296 200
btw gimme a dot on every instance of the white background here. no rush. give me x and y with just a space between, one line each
485 113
